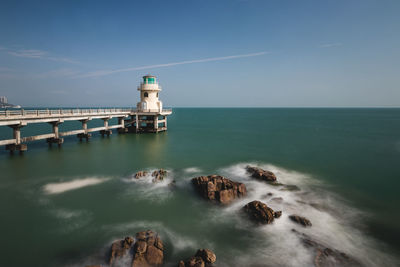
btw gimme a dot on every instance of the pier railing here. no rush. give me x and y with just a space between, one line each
23 112
56 112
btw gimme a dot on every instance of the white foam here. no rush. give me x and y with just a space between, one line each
192 170
149 190
57 188
335 224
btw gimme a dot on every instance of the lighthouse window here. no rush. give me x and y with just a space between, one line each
146 94
150 80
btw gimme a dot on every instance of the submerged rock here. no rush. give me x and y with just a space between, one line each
261 174
260 213
219 189
277 199
289 187
300 220
145 250
325 256
203 258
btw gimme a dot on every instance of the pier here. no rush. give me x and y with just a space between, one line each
148 116
129 120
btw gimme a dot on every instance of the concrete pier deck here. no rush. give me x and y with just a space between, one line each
129 120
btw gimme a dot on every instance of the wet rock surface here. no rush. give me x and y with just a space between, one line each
158 175
219 189
146 250
260 213
325 256
261 174
119 249
140 174
300 220
203 258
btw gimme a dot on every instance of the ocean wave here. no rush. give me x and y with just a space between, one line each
57 188
335 224
149 190
71 220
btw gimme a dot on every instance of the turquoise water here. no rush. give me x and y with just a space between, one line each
346 160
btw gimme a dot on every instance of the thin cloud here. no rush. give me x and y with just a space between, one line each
28 53
327 45
108 72
37 54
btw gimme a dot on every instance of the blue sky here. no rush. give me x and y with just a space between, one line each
218 53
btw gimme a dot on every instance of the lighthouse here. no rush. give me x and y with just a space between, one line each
149 115
149 91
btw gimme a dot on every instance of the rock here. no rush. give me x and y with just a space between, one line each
203 258
260 212
261 174
148 250
140 174
207 255
119 249
158 175
219 189
325 256
300 220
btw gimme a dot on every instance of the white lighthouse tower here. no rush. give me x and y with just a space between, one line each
149 115
149 90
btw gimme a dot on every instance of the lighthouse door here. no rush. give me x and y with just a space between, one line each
144 105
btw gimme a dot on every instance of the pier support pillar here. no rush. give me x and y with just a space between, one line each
106 131
156 123
56 139
85 134
137 123
122 130
17 146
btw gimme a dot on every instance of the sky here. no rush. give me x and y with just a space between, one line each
205 53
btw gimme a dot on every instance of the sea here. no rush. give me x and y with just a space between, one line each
65 206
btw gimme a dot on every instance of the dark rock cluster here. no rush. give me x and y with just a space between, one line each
260 213
145 250
261 174
158 175
203 258
219 189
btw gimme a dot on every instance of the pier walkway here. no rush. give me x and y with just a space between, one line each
129 120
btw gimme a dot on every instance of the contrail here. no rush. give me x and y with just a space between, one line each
108 72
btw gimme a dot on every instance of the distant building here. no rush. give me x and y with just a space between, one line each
4 103
3 100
